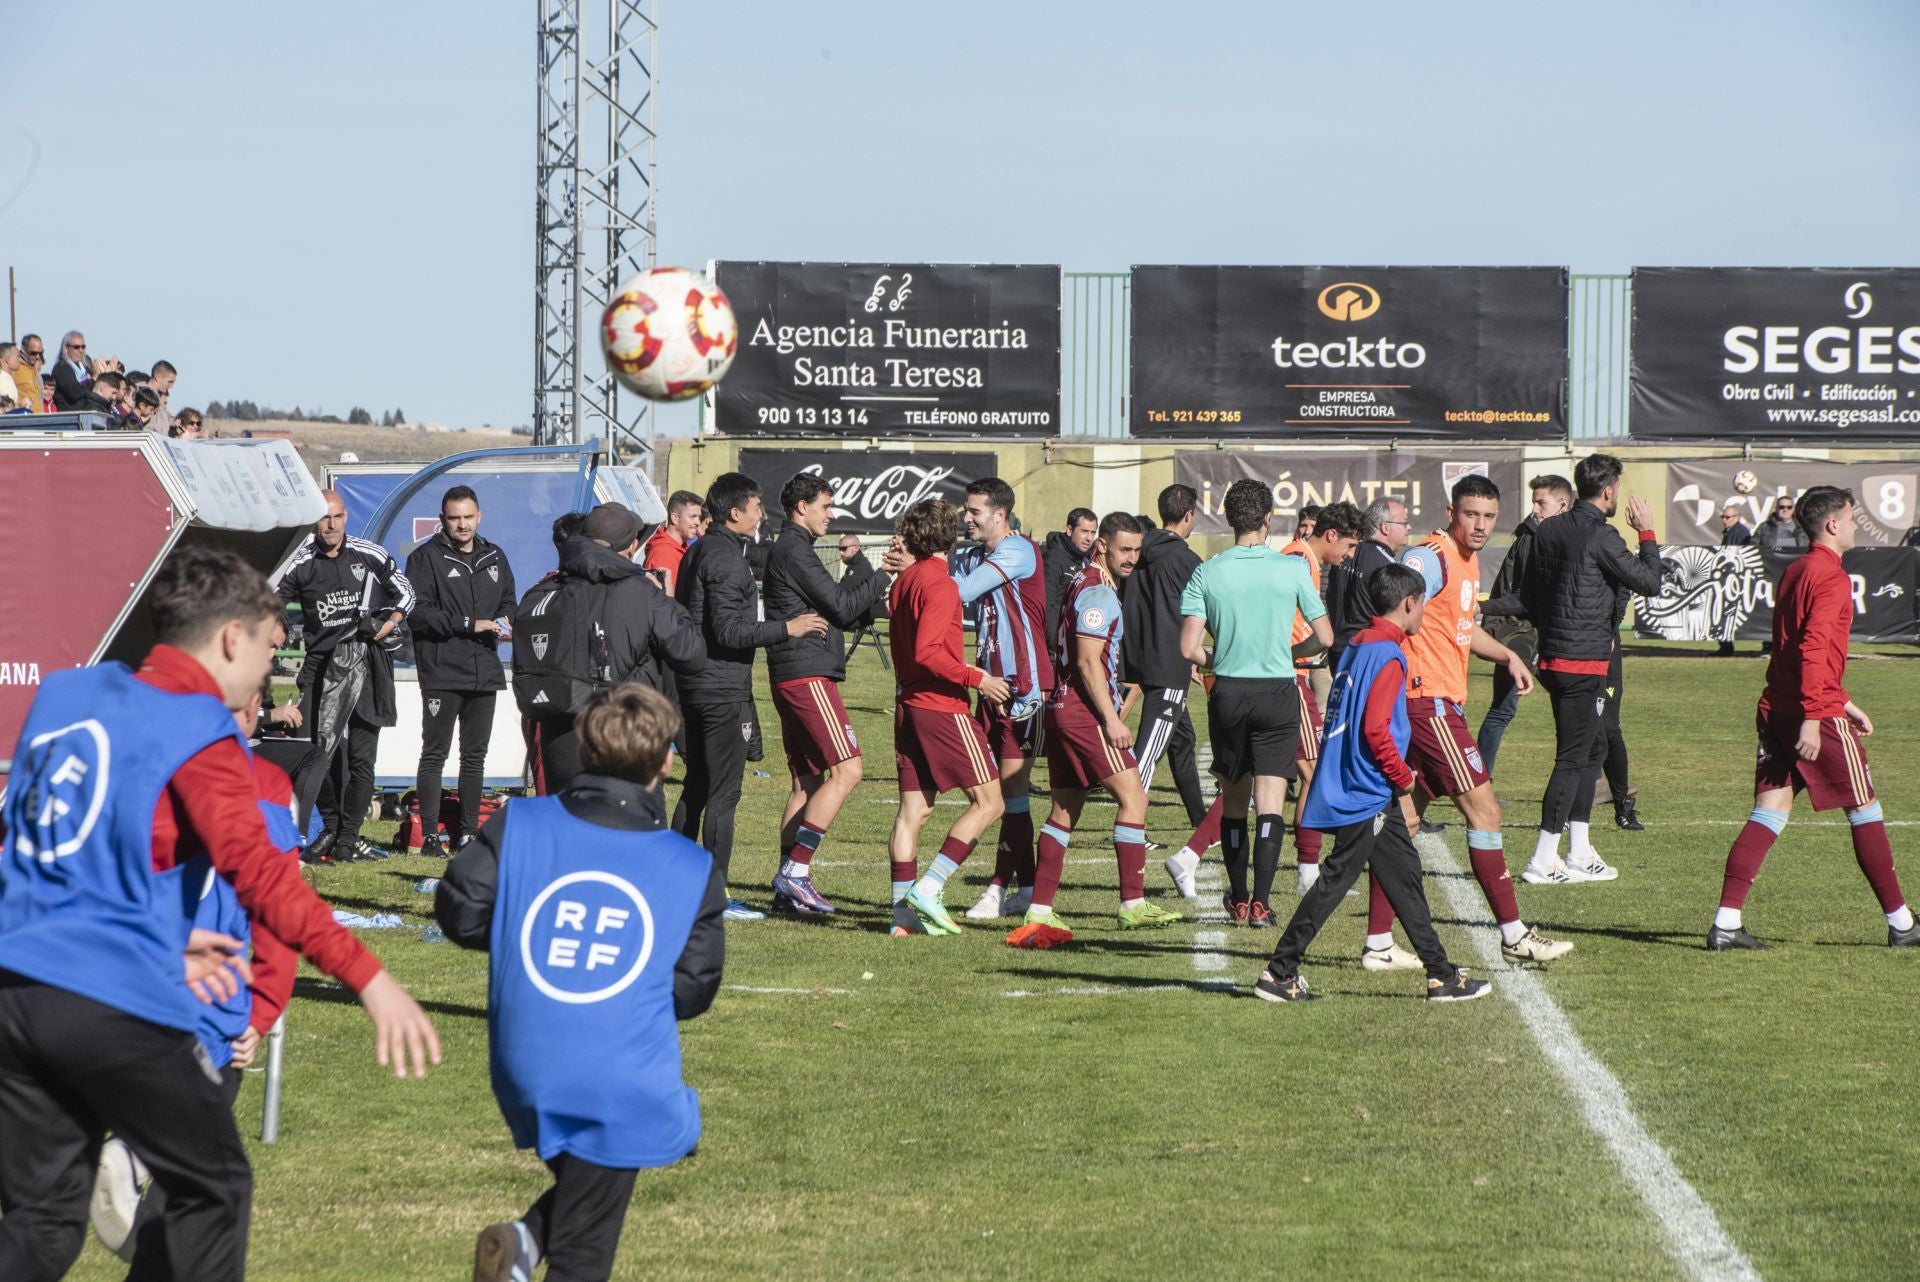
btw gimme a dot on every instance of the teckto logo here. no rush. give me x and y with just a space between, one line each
1348 300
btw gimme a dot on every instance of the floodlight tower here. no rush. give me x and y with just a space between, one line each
593 210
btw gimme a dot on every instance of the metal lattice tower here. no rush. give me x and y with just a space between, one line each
593 210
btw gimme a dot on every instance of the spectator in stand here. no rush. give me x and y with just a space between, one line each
1780 532
1733 534
161 381
32 393
101 396
146 408
1066 551
73 373
188 427
9 368
668 546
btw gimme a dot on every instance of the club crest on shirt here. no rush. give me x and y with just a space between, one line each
493 572
358 571
539 645
586 937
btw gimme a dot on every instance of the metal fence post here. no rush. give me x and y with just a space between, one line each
270 1111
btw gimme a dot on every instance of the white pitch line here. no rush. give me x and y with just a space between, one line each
805 992
1701 1246
1103 990
1207 956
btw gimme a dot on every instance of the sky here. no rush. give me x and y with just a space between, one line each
332 205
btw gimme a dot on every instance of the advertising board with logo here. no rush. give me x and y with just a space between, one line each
1700 491
871 488
1434 352
1420 478
871 349
1726 594
1811 355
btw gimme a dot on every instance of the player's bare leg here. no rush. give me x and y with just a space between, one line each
916 806
812 806
1130 851
1013 862
927 897
1042 928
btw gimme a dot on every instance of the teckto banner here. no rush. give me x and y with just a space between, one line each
871 488
1811 355
1420 478
873 349
1726 594
1298 352
1884 496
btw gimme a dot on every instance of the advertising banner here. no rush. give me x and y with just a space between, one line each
873 349
1726 594
871 488
1884 496
1434 352
1422 479
1812 355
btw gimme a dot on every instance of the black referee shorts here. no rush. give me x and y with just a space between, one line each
1253 726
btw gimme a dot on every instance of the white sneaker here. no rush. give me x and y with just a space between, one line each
987 907
1392 957
1309 874
1589 866
116 1197
1181 865
1016 904
1535 947
1540 873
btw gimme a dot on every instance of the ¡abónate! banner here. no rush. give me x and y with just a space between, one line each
1434 352
1422 479
1813 355
873 349
870 488
1726 594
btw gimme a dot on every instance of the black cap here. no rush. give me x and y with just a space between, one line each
612 524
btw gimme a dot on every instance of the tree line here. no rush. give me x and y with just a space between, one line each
248 412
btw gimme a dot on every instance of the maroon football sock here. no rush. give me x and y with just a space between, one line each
1743 863
1379 911
1050 863
905 870
1306 843
1875 856
956 849
1208 832
1490 870
806 840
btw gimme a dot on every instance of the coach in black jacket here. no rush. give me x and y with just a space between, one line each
717 588
1065 552
1575 592
462 584
1504 615
1349 608
1150 647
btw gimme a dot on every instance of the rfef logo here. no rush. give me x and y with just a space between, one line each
586 938
1348 300
66 776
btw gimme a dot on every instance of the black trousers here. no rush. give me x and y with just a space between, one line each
440 711
304 765
1383 842
1166 730
1615 764
72 1069
576 1223
149 1217
716 748
1580 746
346 781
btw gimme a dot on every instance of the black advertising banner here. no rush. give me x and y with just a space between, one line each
1726 594
1699 491
889 349
1420 478
871 488
1461 352
1813 355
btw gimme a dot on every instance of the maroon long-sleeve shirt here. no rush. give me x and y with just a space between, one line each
1812 619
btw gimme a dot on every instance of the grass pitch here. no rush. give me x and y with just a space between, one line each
887 1111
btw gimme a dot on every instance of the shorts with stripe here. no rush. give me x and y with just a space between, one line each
1442 752
1838 779
1253 726
939 751
1079 754
814 726
1311 731
1007 739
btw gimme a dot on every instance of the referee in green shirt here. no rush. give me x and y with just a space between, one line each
1247 598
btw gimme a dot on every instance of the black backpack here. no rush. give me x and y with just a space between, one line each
560 653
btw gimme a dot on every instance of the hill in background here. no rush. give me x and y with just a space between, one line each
323 443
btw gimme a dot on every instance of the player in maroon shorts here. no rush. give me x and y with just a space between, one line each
936 742
1810 731
1089 743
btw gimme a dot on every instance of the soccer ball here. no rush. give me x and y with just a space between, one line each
1430 564
1744 481
669 334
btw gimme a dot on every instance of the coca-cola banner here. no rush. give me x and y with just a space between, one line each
871 488
1422 479
1726 594
1698 493
873 349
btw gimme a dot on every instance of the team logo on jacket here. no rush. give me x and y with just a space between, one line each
493 572
586 937
433 707
66 773
539 640
358 571
453 572
746 732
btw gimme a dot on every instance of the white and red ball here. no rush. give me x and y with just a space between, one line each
669 334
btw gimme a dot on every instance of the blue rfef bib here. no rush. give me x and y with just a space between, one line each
1347 784
587 927
222 1023
80 906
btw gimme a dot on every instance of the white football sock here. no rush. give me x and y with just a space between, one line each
1547 849
1512 932
1727 918
1127 905
1380 943
794 868
933 882
1579 840
1901 918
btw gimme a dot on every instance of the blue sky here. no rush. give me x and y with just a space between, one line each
332 204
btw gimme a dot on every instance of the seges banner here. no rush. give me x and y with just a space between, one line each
1700 491
1726 594
1420 478
1812 355
872 349
870 488
1438 352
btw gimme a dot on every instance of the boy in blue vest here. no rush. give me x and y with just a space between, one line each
605 928
1361 794
125 788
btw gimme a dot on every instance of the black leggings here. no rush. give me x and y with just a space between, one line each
576 1223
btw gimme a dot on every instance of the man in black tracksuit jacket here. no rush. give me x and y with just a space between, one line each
1575 588
1349 607
1150 647
1061 558
716 587
462 584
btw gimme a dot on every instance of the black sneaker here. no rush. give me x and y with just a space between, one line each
1260 916
1908 938
432 849
1288 988
1431 829
364 850
1626 818
1461 988
320 849
1720 941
